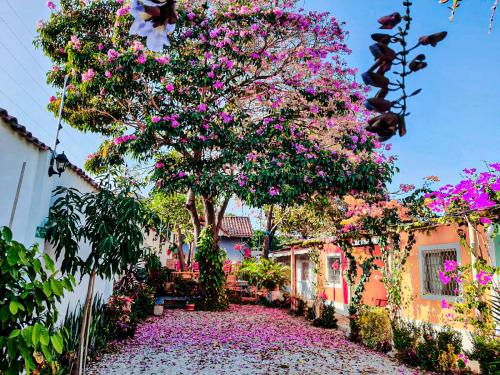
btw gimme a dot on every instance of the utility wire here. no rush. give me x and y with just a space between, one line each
28 116
22 87
19 18
23 67
33 57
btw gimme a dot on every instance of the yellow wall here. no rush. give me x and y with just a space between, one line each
417 306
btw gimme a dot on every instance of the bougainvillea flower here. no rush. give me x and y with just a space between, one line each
444 278
450 265
484 278
153 20
390 21
444 304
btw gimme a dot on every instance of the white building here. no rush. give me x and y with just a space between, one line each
26 194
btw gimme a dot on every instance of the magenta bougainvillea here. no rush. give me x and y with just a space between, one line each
477 192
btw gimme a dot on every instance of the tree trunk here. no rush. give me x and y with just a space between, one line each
80 360
180 250
210 217
269 232
193 213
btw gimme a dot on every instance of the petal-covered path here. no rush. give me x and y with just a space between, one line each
243 340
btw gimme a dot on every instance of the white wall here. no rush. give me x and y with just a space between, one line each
35 198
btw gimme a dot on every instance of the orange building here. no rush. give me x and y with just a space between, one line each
421 287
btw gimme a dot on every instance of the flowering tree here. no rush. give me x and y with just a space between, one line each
234 107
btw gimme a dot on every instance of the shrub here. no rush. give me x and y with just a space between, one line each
486 350
121 317
264 272
327 317
439 351
375 328
406 336
301 307
29 293
144 302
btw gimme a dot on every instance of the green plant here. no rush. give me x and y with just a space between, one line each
144 302
121 317
264 272
29 292
486 350
375 328
438 350
112 223
212 277
327 317
406 335
301 307
100 333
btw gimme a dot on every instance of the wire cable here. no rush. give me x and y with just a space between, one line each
33 57
23 67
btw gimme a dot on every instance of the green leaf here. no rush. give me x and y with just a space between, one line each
6 234
13 307
4 313
44 336
49 263
47 290
46 352
12 256
57 343
35 335
26 333
56 287
14 333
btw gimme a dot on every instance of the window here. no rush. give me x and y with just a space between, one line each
305 271
433 262
333 270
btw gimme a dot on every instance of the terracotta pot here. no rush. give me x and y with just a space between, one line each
190 307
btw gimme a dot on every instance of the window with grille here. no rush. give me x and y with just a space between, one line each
433 262
333 270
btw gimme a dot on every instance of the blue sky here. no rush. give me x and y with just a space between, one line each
455 121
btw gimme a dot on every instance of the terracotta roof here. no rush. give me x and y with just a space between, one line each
23 132
234 226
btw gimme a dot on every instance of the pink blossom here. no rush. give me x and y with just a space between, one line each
218 85
484 278
444 278
163 60
112 55
274 191
142 58
169 87
123 11
108 74
51 5
444 304
155 119
450 265
159 165
202 107
52 99
88 75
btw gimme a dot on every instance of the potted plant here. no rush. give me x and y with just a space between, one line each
190 305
